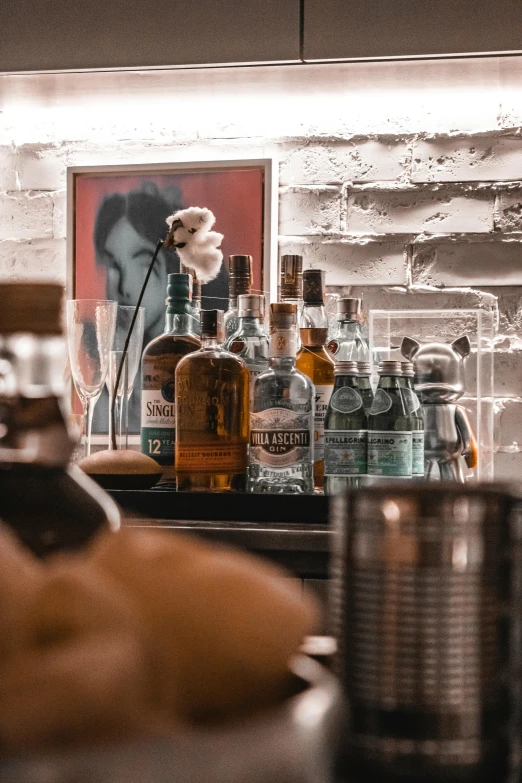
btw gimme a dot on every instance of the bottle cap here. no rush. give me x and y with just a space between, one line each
212 324
283 315
240 270
364 368
388 367
346 368
407 369
179 293
313 287
348 309
291 284
252 305
31 307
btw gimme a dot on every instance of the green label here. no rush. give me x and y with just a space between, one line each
417 451
345 452
159 443
389 453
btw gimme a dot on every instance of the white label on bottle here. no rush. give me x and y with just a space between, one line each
283 343
280 438
345 452
156 411
389 453
417 450
322 398
346 400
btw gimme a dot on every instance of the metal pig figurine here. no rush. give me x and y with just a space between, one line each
439 383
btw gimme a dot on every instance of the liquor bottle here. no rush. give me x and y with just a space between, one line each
389 428
413 406
291 282
345 433
364 385
314 360
281 420
212 388
196 298
49 504
160 359
250 341
348 343
240 271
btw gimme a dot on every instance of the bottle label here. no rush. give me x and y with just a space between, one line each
346 400
211 458
411 401
417 452
345 452
389 453
322 398
280 438
283 343
333 347
158 423
382 402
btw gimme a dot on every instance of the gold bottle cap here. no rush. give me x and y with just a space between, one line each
240 271
31 307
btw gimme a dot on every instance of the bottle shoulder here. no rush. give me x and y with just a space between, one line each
206 360
169 343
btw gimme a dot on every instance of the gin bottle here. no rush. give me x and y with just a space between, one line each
281 420
348 343
413 406
345 433
364 385
240 282
389 428
160 359
250 341
212 388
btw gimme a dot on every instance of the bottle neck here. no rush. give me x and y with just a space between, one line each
238 286
314 339
347 327
346 380
180 323
32 423
314 317
390 381
249 323
210 343
283 344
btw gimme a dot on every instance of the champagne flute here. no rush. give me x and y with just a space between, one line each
91 325
123 394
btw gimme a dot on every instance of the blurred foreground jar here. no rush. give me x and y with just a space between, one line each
49 504
426 601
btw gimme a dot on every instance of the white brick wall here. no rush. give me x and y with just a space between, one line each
403 181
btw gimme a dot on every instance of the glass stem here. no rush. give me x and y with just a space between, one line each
89 410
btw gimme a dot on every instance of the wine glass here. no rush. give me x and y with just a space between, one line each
91 325
123 394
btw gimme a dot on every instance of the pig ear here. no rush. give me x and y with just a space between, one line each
462 346
409 347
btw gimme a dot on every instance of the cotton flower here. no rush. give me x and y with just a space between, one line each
197 246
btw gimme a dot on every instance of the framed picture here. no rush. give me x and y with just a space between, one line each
116 214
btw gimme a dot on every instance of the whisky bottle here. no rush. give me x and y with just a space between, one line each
250 340
389 428
281 420
314 360
212 395
160 358
240 282
413 406
291 282
49 504
345 433
364 385
348 343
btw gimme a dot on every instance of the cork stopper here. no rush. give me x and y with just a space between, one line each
212 324
240 270
291 283
313 287
31 307
283 315
348 309
179 293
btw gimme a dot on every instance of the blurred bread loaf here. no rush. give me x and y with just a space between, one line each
221 625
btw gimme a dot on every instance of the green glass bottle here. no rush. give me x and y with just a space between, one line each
345 432
364 385
413 406
389 428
